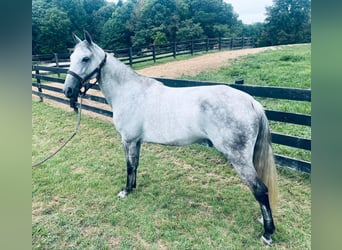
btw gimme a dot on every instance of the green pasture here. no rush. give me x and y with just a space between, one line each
186 197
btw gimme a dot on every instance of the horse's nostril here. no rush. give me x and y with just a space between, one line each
68 92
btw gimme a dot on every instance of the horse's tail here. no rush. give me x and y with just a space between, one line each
263 160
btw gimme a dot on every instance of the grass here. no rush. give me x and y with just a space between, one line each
187 197
286 66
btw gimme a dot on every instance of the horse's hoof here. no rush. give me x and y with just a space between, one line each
267 242
123 194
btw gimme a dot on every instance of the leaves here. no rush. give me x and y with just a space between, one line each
139 23
288 22
55 27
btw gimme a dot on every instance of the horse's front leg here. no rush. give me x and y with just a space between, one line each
132 152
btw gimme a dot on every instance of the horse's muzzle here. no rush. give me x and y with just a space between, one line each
70 92
71 87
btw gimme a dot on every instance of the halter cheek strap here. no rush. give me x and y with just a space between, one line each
84 81
75 75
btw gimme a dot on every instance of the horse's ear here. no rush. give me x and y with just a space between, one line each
76 38
88 37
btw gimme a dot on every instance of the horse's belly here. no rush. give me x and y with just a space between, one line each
173 141
172 135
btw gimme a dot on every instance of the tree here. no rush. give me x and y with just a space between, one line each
255 31
90 7
287 22
221 30
39 8
99 18
75 12
55 31
159 38
116 32
155 16
210 13
189 30
130 22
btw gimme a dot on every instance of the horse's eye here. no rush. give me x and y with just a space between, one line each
85 59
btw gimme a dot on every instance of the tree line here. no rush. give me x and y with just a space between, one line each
143 22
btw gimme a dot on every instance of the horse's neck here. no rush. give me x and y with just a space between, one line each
116 79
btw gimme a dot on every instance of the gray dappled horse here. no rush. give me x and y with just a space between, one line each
144 110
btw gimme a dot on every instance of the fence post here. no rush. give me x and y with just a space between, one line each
231 43
174 50
192 47
243 42
39 87
57 63
207 45
56 59
154 53
130 52
220 41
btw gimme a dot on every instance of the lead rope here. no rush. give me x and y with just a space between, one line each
67 141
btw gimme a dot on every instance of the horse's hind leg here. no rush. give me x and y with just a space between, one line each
132 152
249 176
261 194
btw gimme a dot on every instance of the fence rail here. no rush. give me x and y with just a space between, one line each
154 53
258 91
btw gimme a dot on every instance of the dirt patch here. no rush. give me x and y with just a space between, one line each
195 65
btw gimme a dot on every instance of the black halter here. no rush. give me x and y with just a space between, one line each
85 81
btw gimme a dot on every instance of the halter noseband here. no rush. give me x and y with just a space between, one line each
84 81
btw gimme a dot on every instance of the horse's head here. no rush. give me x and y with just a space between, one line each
85 63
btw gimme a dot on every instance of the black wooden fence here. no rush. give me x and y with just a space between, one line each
154 53
39 74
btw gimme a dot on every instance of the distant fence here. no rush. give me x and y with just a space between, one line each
154 53
41 73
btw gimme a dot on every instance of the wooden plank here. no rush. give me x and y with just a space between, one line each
97 110
275 92
260 91
48 78
291 141
294 118
185 83
95 98
55 98
67 102
51 88
303 166
51 69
